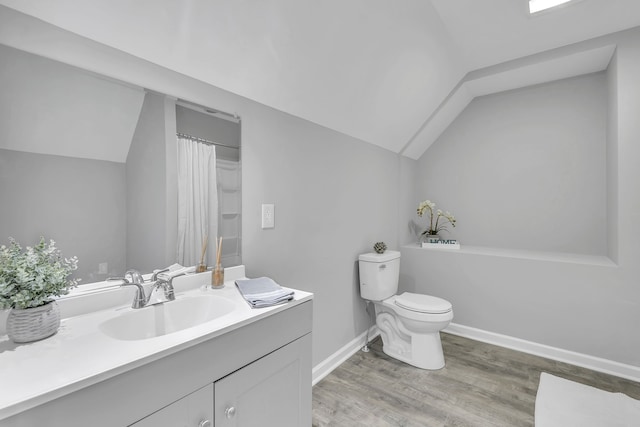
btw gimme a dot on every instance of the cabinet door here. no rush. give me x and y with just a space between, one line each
272 391
193 410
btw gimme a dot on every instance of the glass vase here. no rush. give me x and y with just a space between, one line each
217 277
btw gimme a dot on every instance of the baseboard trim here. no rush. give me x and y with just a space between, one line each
606 366
610 367
325 367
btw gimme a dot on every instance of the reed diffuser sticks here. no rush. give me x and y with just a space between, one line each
202 266
217 278
219 251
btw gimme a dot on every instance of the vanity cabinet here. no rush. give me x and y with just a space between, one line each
193 410
272 391
258 374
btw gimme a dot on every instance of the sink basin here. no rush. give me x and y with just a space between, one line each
167 318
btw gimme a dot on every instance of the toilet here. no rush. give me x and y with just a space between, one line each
409 323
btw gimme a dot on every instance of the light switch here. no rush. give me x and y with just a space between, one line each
268 216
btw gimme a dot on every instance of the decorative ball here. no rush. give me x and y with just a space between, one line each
380 247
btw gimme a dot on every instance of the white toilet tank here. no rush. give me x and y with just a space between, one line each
379 274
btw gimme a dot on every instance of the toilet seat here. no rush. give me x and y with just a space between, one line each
422 303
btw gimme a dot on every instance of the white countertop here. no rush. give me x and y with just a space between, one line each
80 355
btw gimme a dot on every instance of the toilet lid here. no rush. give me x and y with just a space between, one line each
423 303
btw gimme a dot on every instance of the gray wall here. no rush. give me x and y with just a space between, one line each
334 198
585 303
612 159
146 189
525 169
90 116
79 203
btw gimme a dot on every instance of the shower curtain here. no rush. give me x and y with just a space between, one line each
197 201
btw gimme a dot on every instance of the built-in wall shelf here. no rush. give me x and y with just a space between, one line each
598 260
225 164
230 208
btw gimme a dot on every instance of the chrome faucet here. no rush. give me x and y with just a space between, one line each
140 299
166 286
133 278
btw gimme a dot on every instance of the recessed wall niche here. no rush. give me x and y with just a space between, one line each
526 168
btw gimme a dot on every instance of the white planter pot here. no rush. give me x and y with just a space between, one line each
33 324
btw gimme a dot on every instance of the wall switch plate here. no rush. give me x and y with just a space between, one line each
103 268
268 216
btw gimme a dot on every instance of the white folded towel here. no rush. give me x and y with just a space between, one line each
176 270
263 292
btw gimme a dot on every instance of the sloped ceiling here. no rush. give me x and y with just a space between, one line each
489 32
78 114
372 69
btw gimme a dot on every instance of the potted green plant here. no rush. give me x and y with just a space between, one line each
30 280
435 225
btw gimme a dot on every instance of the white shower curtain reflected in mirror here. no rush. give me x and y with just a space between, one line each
197 201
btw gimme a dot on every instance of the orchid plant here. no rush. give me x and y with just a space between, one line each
435 217
34 276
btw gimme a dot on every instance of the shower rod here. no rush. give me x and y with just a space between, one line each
205 141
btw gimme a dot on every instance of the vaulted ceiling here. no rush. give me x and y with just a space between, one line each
376 70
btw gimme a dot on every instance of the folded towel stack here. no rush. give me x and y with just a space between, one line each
176 270
263 292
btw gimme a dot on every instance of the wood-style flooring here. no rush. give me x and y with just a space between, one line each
481 385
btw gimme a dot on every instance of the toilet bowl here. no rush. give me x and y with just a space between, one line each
409 323
412 335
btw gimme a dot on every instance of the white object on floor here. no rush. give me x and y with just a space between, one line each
564 403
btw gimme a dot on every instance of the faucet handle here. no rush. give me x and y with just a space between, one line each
135 276
167 285
154 277
140 298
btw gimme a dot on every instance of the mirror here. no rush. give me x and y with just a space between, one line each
90 162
